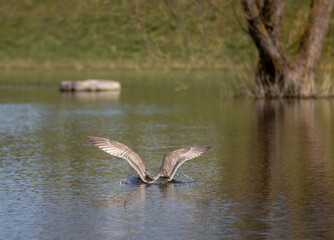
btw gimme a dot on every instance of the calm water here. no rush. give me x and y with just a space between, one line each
270 173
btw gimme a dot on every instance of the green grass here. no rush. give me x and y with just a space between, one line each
120 33
101 34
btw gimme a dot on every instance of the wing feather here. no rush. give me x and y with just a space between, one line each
118 149
173 160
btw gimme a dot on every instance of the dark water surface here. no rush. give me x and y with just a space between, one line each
270 173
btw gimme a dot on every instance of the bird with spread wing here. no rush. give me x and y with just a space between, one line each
170 163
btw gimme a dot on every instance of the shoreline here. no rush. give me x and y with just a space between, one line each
77 65
26 65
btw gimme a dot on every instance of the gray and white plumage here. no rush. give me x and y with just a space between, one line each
171 161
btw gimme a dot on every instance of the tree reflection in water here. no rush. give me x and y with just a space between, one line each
291 173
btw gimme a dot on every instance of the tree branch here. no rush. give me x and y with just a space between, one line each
258 29
310 49
272 13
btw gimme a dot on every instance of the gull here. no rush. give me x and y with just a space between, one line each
170 163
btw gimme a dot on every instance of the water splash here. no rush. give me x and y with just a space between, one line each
178 178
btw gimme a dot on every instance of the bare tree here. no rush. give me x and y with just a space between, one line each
278 74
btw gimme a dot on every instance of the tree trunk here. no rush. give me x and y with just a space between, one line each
277 74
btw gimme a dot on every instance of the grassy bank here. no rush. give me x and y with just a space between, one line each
128 34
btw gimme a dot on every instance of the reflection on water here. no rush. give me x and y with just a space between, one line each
100 95
296 154
270 173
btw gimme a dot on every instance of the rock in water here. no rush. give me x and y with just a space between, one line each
90 85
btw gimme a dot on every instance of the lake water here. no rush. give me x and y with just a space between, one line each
269 175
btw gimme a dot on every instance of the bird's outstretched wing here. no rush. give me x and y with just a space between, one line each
173 160
120 150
